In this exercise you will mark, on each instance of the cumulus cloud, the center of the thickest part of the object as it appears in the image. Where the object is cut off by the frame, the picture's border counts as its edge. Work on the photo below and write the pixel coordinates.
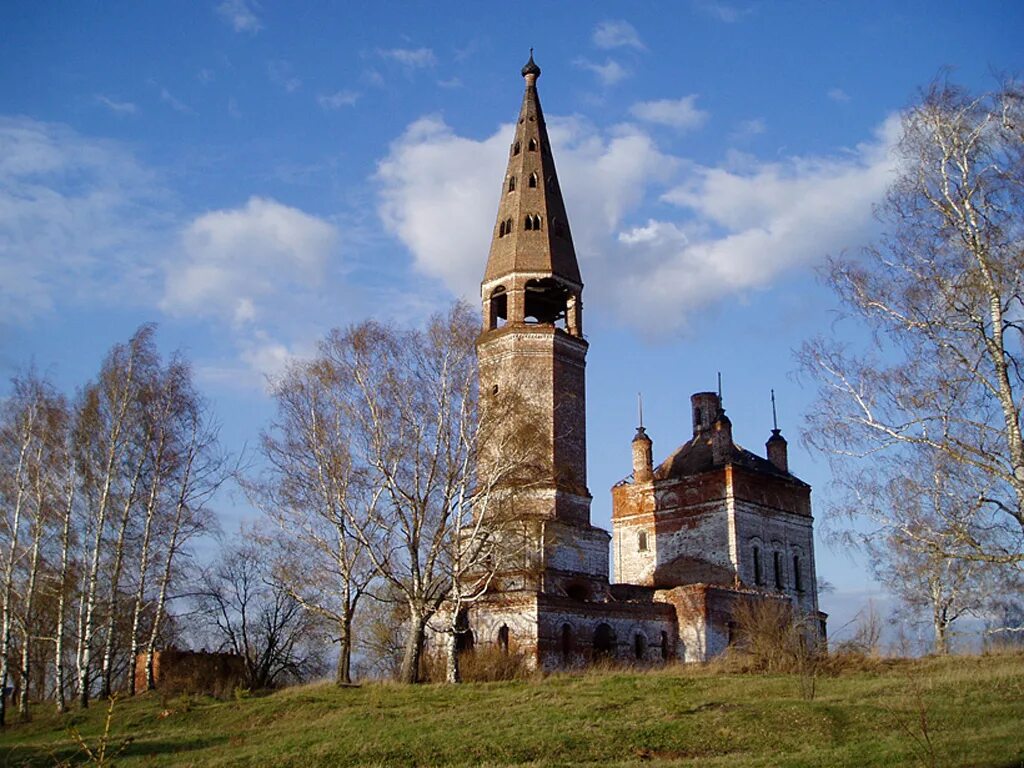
(80, 220)
(237, 259)
(412, 58)
(241, 15)
(727, 229)
(681, 114)
(609, 73)
(617, 34)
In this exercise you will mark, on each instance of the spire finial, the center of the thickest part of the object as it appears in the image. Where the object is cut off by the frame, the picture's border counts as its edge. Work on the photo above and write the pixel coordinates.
(531, 69)
(775, 418)
(719, 387)
(640, 408)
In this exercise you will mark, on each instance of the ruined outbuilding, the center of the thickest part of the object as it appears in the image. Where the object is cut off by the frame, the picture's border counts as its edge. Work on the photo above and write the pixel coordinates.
(711, 525)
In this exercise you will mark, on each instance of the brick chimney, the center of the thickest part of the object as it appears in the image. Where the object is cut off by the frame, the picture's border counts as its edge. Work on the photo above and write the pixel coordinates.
(643, 462)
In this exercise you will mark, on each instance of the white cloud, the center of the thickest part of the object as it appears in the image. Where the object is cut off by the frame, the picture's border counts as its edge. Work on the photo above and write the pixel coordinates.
(609, 73)
(413, 58)
(281, 75)
(337, 100)
(238, 261)
(838, 95)
(178, 106)
(682, 114)
(241, 15)
(617, 34)
(80, 221)
(747, 129)
(117, 107)
(725, 12)
(728, 229)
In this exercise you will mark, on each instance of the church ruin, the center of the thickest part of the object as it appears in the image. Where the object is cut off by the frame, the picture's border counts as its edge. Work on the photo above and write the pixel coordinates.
(711, 525)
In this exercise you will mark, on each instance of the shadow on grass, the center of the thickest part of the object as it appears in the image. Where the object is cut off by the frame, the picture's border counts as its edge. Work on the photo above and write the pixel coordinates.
(66, 753)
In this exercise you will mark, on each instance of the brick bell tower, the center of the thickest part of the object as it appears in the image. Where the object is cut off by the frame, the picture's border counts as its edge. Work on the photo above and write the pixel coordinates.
(532, 342)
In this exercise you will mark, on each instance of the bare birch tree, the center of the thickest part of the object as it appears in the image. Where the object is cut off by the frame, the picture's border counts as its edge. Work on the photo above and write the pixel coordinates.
(943, 293)
(412, 403)
(311, 490)
(104, 433)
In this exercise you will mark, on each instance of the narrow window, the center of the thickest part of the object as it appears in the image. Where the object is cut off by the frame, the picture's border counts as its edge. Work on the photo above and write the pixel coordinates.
(664, 645)
(501, 230)
(758, 575)
(528, 224)
(533, 180)
(641, 541)
(515, 148)
(566, 643)
(503, 638)
(778, 569)
(508, 226)
(536, 222)
(532, 146)
(798, 582)
(511, 183)
(639, 646)
(696, 417)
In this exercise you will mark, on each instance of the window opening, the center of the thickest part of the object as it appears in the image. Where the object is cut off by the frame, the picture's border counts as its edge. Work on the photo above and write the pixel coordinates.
(758, 575)
(798, 582)
(533, 180)
(503, 638)
(566, 643)
(731, 633)
(532, 146)
(639, 646)
(604, 640)
(463, 634)
(641, 541)
(778, 570)
(664, 645)
(528, 223)
(501, 229)
(497, 313)
(546, 302)
(511, 183)
(536, 222)
(515, 148)
(577, 591)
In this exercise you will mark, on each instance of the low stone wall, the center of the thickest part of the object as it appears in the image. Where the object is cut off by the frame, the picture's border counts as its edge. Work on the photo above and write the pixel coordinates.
(177, 671)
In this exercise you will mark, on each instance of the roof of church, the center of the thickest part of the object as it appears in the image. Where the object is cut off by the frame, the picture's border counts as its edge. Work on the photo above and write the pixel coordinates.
(695, 456)
(531, 232)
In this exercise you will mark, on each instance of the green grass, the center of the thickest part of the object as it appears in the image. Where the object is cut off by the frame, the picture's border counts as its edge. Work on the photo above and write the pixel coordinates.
(972, 708)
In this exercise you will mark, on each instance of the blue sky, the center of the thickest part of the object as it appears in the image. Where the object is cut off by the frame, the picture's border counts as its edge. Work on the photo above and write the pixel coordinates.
(249, 175)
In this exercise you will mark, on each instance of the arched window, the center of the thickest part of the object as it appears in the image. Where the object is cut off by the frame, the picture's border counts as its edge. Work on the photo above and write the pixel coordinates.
(497, 307)
(639, 646)
(503, 638)
(501, 229)
(566, 643)
(532, 146)
(536, 222)
(641, 541)
(515, 148)
(533, 180)
(779, 583)
(511, 183)
(528, 223)
(758, 573)
(604, 640)
(508, 226)
(798, 581)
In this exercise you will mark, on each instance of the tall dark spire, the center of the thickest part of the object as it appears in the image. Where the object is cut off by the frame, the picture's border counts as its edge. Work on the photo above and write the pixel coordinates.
(531, 233)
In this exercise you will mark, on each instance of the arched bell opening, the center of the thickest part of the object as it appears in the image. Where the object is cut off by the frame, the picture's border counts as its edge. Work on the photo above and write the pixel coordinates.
(547, 303)
(497, 308)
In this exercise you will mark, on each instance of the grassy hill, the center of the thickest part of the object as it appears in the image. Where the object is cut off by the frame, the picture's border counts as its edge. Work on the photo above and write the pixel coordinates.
(963, 711)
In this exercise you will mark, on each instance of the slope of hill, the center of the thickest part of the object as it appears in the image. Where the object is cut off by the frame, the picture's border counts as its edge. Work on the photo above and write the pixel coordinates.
(932, 712)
